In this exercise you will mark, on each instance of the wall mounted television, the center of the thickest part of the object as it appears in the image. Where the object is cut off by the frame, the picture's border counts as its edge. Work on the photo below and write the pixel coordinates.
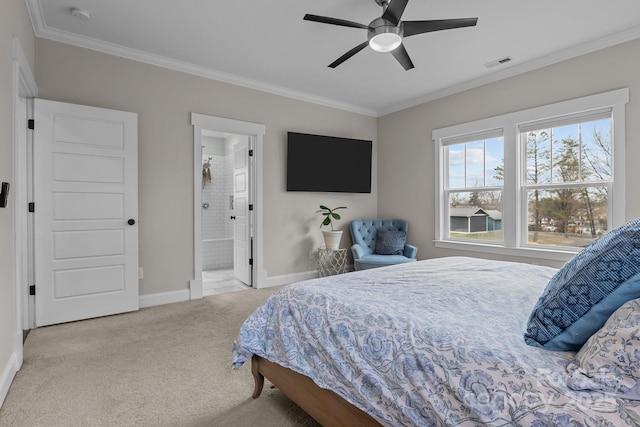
(328, 164)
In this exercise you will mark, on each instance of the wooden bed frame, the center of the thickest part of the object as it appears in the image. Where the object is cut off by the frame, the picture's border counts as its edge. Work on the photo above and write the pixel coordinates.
(323, 405)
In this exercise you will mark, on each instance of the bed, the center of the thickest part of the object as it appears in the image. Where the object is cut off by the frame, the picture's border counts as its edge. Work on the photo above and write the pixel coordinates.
(432, 343)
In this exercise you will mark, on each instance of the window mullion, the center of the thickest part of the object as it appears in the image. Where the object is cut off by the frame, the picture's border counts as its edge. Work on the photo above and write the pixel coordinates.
(563, 185)
(484, 163)
(551, 157)
(441, 193)
(580, 151)
(465, 165)
(512, 172)
(471, 189)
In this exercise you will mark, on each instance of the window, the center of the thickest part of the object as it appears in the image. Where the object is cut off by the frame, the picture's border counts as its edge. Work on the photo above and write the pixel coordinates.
(541, 183)
(569, 177)
(473, 186)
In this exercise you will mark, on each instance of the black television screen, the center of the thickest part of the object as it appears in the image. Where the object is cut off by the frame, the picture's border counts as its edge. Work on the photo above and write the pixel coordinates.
(328, 164)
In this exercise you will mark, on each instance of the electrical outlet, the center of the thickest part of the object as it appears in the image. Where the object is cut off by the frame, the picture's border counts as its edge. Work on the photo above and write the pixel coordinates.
(140, 273)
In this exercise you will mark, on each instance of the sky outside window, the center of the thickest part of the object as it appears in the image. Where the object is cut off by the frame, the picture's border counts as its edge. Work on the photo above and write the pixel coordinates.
(474, 163)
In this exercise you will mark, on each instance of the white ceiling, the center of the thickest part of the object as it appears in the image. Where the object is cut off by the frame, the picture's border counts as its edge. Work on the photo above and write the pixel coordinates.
(266, 44)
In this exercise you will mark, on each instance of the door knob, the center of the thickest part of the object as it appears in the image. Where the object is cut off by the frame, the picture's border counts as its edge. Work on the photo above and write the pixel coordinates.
(233, 217)
(131, 221)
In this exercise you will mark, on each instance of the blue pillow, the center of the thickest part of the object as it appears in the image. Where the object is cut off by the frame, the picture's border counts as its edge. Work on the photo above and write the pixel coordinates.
(390, 242)
(582, 295)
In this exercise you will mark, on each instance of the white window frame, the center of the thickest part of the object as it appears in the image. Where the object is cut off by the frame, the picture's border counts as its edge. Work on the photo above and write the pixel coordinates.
(513, 196)
(464, 139)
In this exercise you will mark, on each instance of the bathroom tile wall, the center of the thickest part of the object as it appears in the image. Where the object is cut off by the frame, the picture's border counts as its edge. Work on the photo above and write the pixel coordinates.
(217, 227)
(217, 255)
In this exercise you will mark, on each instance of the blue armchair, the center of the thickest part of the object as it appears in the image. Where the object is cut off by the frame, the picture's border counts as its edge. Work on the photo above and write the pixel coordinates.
(364, 233)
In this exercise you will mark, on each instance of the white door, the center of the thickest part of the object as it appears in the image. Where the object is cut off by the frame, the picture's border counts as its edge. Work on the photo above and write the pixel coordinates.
(242, 223)
(86, 207)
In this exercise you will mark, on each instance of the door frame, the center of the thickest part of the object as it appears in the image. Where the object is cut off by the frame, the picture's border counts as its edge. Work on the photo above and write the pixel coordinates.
(24, 90)
(255, 132)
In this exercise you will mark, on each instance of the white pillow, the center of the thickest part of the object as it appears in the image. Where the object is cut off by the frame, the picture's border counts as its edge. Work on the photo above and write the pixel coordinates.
(610, 359)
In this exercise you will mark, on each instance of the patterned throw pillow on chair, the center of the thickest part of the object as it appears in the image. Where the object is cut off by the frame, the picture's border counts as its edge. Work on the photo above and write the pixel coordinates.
(390, 242)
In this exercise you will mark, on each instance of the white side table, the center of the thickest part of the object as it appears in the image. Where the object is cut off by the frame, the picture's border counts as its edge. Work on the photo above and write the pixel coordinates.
(332, 261)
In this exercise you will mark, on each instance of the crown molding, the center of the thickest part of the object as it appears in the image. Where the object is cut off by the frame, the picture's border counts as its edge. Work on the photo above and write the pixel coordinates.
(42, 31)
(563, 55)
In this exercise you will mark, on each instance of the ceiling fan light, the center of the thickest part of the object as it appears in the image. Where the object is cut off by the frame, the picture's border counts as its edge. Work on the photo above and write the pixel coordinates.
(385, 42)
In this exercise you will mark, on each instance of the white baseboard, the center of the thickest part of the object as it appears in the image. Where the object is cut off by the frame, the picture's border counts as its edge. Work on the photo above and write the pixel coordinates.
(195, 289)
(161, 298)
(289, 278)
(151, 300)
(296, 277)
(18, 341)
(14, 363)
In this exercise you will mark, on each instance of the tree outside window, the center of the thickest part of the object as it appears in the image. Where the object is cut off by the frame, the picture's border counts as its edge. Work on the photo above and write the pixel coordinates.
(568, 169)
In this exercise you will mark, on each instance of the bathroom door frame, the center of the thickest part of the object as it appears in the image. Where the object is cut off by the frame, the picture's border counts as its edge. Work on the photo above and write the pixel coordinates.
(255, 132)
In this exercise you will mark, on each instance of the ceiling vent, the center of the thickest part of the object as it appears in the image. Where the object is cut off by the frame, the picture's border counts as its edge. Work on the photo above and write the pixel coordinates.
(498, 62)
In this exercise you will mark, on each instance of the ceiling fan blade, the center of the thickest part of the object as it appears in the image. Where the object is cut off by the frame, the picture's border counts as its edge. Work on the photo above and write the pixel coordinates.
(400, 53)
(334, 21)
(394, 11)
(411, 28)
(348, 55)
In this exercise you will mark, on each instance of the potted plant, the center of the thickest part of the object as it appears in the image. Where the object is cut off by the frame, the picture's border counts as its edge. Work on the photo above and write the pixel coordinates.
(331, 238)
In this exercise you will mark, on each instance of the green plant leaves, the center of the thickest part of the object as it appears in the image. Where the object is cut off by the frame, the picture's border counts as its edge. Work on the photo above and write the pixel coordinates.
(329, 215)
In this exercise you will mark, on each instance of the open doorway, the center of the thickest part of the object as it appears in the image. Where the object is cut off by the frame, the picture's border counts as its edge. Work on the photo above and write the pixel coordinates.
(219, 213)
(227, 205)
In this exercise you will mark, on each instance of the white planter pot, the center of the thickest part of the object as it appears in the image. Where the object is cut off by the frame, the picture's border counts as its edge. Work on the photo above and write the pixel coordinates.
(332, 239)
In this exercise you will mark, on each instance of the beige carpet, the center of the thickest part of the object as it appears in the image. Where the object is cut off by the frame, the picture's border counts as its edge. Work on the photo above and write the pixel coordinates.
(162, 366)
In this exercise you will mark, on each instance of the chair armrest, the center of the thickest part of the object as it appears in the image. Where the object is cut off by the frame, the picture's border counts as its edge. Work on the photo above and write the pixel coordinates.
(410, 251)
(357, 251)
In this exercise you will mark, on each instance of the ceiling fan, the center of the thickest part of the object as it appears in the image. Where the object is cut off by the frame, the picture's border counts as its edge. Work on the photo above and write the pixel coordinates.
(385, 34)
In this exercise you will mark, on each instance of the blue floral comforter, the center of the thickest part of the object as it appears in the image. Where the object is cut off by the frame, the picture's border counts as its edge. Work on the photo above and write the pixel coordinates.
(431, 343)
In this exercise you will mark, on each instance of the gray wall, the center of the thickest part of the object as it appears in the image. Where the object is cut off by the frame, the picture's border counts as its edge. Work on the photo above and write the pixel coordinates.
(164, 100)
(406, 151)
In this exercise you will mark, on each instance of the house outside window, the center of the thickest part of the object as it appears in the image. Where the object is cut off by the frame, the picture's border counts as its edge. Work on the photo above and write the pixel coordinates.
(539, 183)
(473, 186)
